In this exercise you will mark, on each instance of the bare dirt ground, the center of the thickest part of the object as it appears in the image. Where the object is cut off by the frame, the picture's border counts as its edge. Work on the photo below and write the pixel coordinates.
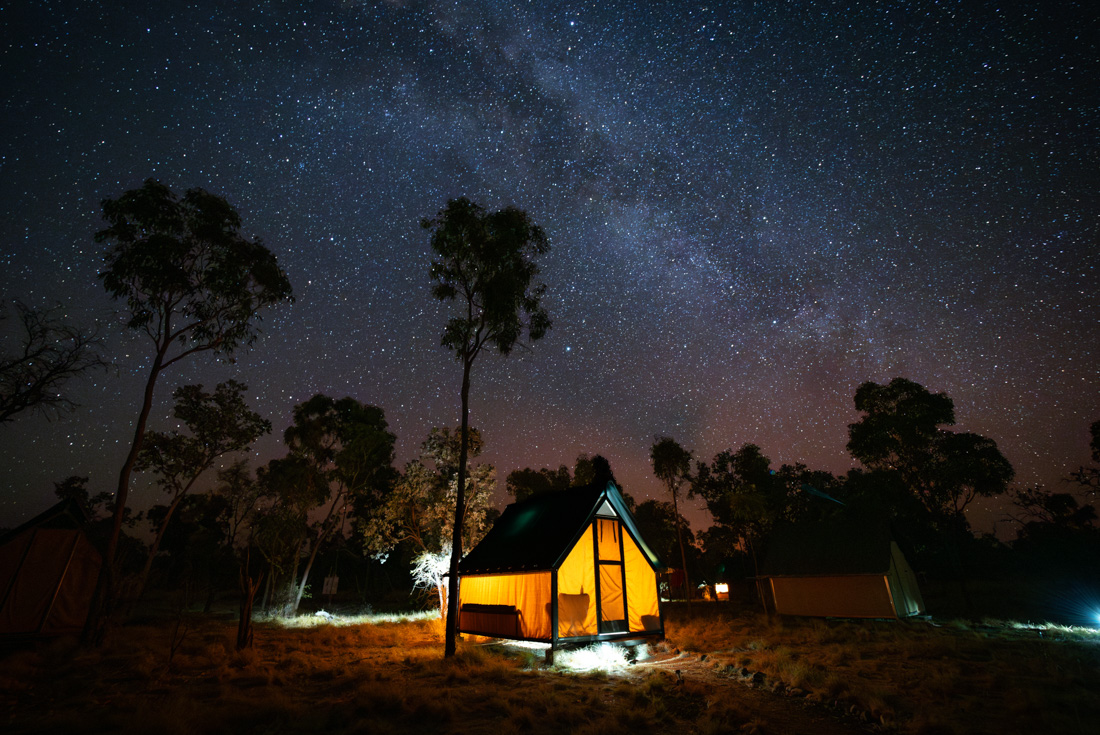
(777, 712)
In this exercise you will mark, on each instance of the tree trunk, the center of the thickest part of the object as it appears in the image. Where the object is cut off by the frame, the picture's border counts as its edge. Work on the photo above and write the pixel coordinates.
(683, 556)
(249, 586)
(156, 546)
(756, 579)
(451, 641)
(960, 569)
(268, 587)
(285, 596)
(325, 529)
(95, 626)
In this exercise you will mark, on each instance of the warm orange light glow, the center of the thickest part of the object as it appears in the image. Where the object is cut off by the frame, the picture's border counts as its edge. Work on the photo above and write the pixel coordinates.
(721, 588)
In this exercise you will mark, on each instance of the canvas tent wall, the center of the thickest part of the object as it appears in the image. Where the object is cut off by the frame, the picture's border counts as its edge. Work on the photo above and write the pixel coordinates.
(847, 569)
(48, 572)
(566, 566)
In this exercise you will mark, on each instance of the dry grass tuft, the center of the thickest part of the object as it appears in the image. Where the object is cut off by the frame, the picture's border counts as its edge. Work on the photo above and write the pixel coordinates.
(918, 677)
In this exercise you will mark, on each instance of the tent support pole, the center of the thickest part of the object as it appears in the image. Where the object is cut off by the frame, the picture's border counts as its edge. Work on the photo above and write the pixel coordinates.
(553, 617)
(60, 581)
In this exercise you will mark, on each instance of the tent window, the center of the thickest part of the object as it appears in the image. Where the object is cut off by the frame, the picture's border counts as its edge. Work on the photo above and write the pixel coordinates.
(608, 532)
(612, 605)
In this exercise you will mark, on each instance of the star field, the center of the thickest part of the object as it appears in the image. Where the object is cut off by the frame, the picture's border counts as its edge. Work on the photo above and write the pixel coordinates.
(752, 208)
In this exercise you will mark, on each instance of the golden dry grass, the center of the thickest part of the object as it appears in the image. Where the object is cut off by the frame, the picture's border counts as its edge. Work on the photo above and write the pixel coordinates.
(388, 675)
(915, 676)
(367, 677)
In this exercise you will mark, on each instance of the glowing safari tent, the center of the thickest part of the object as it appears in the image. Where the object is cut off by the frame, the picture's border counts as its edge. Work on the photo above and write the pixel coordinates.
(839, 570)
(563, 567)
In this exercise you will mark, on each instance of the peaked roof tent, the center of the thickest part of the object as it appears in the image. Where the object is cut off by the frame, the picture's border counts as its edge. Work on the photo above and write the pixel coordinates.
(845, 569)
(537, 533)
(65, 514)
(810, 549)
(562, 567)
(48, 572)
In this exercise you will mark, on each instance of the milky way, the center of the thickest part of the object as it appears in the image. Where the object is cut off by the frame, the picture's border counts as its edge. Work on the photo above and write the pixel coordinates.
(752, 208)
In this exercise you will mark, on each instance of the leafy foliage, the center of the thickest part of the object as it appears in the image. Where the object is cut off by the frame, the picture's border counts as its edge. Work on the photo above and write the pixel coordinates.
(485, 264)
(192, 283)
(672, 465)
(593, 470)
(901, 433)
(185, 271)
(341, 456)
(1090, 476)
(218, 423)
(741, 492)
(526, 483)
(657, 522)
(419, 510)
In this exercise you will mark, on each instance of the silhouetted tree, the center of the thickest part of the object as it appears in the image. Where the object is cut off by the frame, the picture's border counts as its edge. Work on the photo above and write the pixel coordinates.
(38, 361)
(192, 283)
(809, 494)
(525, 483)
(663, 528)
(742, 494)
(1090, 476)
(192, 548)
(1057, 532)
(485, 264)
(291, 487)
(672, 466)
(243, 498)
(1037, 507)
(350, 451)
(900, 432)
(100, 510)
(218, 423)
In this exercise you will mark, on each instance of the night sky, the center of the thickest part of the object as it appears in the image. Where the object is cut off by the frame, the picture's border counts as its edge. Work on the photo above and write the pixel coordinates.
(752, 208)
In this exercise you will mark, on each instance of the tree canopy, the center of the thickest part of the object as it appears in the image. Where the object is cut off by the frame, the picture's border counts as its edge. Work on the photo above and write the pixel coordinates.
(1090, 476)
(525, 483)
(672, 466)
(346, 453)
(483, 263)
(901, 432)
(741, 492)
(186, 273)
(218, 423)
(192, 283)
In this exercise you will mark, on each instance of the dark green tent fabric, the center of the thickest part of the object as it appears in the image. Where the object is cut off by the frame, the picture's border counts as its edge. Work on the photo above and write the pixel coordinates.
(537, 533)
(833, 547)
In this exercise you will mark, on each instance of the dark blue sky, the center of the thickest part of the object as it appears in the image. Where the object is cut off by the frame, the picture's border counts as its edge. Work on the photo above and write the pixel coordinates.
(753, 208)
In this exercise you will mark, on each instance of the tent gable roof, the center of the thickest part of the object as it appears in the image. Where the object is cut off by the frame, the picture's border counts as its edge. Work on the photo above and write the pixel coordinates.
(828, 548)
(536, 534)
(65, 514)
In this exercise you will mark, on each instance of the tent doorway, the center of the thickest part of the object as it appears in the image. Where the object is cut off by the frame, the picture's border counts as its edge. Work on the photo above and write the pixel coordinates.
(612, 577)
